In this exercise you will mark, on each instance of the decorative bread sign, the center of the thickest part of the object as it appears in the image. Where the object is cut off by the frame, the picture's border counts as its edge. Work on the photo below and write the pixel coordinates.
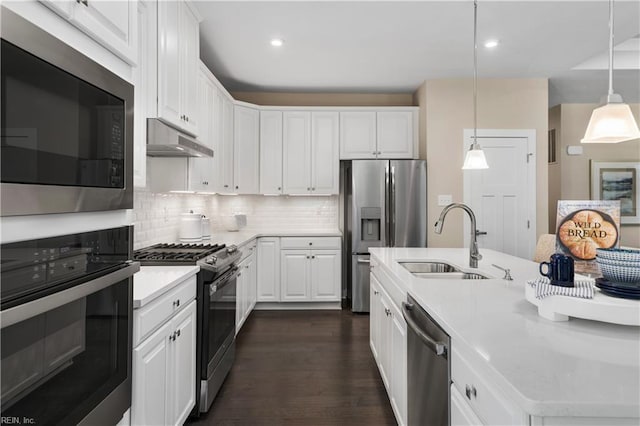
(584, 226)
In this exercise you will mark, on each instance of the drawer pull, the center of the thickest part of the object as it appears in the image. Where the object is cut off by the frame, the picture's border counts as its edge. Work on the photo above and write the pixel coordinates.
(470, 391)
(178, 333)
(176, 303)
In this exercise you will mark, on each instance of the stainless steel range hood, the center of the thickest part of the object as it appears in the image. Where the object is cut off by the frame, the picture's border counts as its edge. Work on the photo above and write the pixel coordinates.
(165, 141)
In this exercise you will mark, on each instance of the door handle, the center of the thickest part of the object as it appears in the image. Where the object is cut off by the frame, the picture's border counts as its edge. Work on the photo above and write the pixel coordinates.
(481, 232)
(363, 261)
(439, 348)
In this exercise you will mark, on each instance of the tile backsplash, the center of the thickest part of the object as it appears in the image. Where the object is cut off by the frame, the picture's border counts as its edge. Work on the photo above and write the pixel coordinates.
(157, 215)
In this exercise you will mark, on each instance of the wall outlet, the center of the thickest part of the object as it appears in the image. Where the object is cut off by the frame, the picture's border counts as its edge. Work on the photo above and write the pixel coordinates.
(445, 200)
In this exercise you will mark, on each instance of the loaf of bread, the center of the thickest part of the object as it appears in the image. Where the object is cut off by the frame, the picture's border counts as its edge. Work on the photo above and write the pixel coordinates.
(585, 232)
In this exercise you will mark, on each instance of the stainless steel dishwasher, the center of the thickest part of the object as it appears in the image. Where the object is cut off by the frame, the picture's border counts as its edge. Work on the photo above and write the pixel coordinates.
(428, 368)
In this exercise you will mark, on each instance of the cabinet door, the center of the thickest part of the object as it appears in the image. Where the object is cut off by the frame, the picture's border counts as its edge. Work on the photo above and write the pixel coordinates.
(268, 264)
(251, 284)
(384, 350)
(227, 145)
(183, 368)
(240, 295)
(169, 87)
(325, 158)
(325, 275)
(296, 146)
(398, 364)
(201, 169)
(374, 316)
(113, 23)
(395, 134)
(461, 412)
(151, 379)
(217, 139)
(189, 48)
(63, 8)
(246, 155)
(294, 267)
(357, 135)
(270, 152)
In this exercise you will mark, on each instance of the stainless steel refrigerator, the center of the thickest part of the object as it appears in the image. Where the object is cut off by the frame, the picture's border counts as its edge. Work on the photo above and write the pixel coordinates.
(385, 205)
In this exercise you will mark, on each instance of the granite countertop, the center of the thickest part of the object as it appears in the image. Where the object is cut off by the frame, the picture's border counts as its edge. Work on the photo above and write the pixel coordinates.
(573, 368)
(153, 281)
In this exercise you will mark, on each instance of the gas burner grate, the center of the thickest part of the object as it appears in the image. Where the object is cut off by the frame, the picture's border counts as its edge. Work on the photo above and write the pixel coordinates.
(176, 253)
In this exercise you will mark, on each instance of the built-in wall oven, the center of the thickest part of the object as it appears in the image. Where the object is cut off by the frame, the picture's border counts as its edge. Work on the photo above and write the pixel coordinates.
(66, 133)
(66, 328)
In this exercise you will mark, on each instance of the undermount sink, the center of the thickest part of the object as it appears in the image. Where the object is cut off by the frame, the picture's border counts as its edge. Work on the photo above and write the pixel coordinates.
(440, 270)
(429, 267)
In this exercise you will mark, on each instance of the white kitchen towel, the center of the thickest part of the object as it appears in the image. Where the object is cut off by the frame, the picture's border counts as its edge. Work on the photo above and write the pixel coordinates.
(582, 288)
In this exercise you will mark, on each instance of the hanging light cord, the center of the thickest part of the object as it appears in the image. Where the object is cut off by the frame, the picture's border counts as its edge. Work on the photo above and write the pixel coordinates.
(475, 74)
(611, 47)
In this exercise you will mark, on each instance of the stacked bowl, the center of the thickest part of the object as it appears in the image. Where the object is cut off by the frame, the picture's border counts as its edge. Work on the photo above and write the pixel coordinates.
(620, 270)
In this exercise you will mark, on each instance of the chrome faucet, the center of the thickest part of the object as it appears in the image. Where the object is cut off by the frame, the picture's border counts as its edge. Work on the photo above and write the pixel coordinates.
(474, 254)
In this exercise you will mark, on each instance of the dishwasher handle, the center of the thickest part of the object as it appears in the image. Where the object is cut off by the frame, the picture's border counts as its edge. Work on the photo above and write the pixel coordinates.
(439, 348)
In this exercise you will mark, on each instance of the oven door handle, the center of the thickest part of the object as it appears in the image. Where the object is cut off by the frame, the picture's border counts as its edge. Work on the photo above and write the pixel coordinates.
(28, 310)
(223, 281)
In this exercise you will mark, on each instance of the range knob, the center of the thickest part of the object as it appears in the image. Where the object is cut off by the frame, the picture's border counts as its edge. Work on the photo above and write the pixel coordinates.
(211, 260)
(231, 249)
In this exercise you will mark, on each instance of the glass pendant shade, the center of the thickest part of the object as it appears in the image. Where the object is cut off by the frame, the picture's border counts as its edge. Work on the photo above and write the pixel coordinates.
(475, 159)
(611, 123)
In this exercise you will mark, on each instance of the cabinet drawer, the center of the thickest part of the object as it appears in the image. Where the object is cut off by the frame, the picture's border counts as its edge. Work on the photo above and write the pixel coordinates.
(310, 243)
(487, 402)
(247, 249)
(152, 316)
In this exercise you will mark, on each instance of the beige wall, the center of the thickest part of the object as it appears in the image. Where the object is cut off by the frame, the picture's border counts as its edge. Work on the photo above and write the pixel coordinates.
(575, 169)
(420, 100)
(325, 99)
(502, 104)
(554, 169)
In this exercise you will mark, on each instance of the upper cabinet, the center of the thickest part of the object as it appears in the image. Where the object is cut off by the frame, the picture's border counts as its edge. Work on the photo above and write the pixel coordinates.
(310, 152)
(246, 150)
(271, 152)
(388, 133)
(114, 24)
(201, 170)
(178, 53)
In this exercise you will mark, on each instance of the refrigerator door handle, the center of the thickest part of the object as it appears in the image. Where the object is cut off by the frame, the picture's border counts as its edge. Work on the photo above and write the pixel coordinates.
(392, 207)
(387, 205)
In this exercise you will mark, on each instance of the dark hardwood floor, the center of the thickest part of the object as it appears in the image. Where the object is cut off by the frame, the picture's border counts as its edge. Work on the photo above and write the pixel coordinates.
(302, 368)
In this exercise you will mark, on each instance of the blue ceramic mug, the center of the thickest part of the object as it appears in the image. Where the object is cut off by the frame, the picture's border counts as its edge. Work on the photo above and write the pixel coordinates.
(560, 270)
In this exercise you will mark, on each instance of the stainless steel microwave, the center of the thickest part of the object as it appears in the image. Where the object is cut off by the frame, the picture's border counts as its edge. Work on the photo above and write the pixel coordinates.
(66, 133)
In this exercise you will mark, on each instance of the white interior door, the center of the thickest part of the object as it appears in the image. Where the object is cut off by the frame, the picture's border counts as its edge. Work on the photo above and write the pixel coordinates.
(503, 196)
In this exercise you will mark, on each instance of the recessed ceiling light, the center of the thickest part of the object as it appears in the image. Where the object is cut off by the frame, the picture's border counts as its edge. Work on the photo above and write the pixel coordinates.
(490, 44)
(277, 42)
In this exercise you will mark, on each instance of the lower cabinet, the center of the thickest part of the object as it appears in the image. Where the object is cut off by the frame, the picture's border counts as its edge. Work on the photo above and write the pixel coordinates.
(388, 341)
(461, 412)
(310, 275)
(268, 263)
(164, 372)
(246, 292)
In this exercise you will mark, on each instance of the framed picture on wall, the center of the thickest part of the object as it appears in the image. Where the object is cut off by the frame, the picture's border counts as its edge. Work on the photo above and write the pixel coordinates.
(618, 181)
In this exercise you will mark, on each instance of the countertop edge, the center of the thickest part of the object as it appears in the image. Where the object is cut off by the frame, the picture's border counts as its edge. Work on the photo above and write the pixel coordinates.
(178, 274)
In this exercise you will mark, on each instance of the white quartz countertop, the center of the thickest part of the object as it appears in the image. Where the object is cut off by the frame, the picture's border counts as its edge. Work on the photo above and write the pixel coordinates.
(242, 237)
(153, 281)
(574, 368)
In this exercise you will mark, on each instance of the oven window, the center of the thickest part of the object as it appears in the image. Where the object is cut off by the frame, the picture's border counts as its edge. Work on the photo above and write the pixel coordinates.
(57, 129)
(222, 317)
(58, 366)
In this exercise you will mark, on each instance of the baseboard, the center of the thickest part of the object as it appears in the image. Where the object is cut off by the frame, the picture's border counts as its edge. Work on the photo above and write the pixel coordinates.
(287, 306)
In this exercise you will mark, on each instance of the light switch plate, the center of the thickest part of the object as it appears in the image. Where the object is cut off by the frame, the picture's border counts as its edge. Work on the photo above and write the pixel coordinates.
(445, 200)
(574, 150)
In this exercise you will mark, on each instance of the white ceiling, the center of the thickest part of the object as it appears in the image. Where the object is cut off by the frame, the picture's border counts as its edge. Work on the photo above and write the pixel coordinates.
(393, 46)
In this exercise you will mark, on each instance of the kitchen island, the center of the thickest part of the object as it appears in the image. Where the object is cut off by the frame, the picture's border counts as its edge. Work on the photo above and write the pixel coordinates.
(574, 372)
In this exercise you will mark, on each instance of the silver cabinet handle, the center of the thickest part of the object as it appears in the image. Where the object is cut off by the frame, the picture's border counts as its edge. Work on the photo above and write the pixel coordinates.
(313, 189)
(279, 188)
(481, 232)
(376, 292)
(470, 391)
(374, 153)
(308, 189)
(178, 332)
(313, 257)
(310, 244)
(226, 186)
(439, 348)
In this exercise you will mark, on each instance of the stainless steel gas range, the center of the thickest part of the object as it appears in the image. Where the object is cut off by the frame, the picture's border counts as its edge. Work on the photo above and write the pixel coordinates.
(216, 308)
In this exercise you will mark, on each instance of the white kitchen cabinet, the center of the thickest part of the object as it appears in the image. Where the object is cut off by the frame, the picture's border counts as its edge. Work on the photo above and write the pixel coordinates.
(113, 24)
(201, 169)
(178, 52)
(246, 158)
(163, 389)
(246, 292)
(270, 152)
(461, 412)
(226, 147)
(381, 134)
(388, 341)
(268, 264)
(310, 269)
(325, 275)
(358, 135)
(395, 134)
(310, 152)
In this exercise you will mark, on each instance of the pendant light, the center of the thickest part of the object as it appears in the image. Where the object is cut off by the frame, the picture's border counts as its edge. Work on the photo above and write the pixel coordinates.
(612, 122)
(475, 158)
